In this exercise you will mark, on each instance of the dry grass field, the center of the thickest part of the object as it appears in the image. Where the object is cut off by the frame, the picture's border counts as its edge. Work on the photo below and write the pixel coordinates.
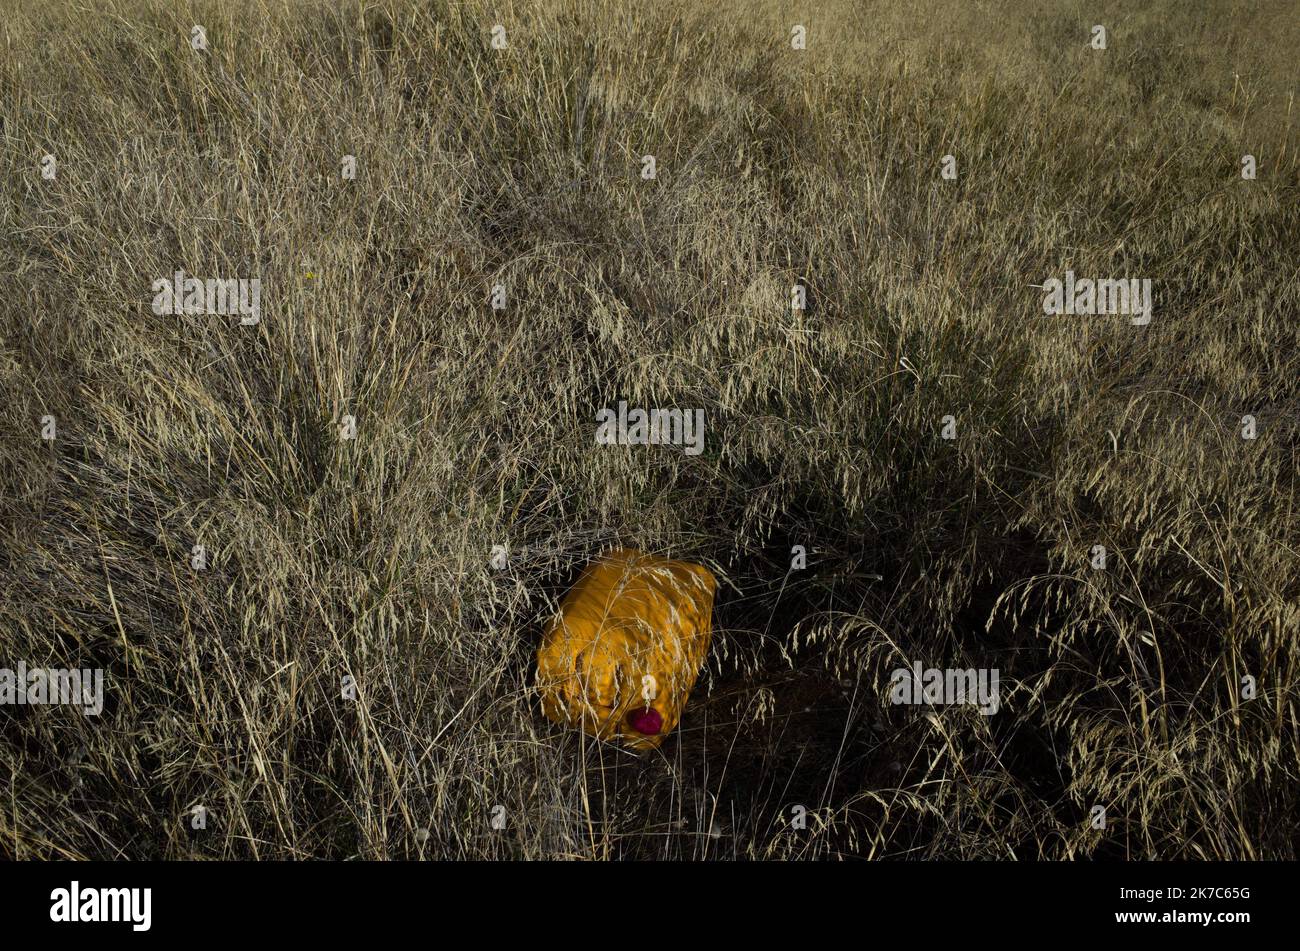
(337, 670)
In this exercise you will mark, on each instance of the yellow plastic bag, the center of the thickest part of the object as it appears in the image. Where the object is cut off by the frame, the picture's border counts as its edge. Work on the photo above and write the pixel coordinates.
(621, 656)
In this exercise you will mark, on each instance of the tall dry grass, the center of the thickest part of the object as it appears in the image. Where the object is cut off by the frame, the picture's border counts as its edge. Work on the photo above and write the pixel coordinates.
(369, 558)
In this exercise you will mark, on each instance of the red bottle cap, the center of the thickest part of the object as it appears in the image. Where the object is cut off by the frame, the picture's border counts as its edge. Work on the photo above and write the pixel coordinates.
(647, 721)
